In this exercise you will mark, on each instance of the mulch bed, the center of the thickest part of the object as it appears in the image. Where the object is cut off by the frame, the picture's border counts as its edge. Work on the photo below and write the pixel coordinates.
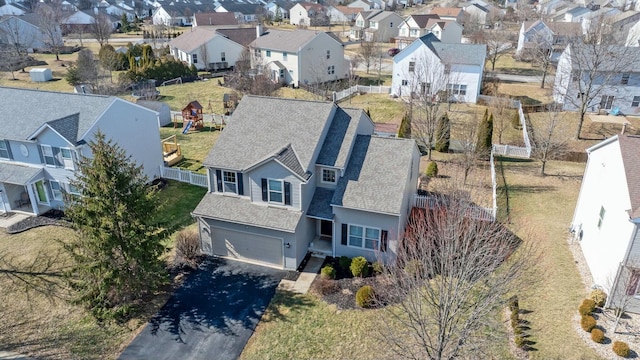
(345, 286)
(51, 217)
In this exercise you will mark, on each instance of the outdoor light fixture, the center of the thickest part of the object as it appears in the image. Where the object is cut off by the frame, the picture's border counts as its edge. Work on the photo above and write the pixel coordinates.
(287, 245)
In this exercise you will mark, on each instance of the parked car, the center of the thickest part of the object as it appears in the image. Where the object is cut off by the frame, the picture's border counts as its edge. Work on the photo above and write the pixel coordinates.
(393, 52)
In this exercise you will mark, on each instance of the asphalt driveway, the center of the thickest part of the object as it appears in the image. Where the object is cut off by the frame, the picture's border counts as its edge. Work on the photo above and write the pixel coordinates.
(211, 316)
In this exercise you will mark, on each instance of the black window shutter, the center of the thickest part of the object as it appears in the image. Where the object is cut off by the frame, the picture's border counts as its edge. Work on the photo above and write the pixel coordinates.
(240, 184)
(287, 193)
(344, 234)
(41, 154)
(8, 149)
(383, 240)
(219, 180)
(265, 193)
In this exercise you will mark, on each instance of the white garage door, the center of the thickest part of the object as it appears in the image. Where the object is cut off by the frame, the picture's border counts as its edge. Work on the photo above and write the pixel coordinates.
(247, 246)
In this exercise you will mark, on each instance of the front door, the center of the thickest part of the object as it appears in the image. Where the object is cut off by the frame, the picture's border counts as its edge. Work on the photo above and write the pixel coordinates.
(326, 228)
(41, 192)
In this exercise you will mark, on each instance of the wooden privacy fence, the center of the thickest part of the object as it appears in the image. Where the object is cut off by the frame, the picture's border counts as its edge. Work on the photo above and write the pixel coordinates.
(185, 176)
(472, 212)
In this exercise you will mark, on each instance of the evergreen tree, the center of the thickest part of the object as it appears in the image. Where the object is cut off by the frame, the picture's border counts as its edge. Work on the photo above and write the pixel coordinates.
(443, 133)
(405, 129)
(368, 113)
(116, 257)
(125, 26)
(485, 135)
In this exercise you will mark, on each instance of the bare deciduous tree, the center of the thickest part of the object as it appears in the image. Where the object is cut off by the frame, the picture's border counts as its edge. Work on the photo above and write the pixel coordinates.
(102, 28)
(498, 44)
(367, 53)
(50, 18)
(451, 275)
(549, 141)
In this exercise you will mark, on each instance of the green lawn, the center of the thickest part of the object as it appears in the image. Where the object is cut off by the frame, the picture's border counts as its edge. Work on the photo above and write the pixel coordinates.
(195, 145)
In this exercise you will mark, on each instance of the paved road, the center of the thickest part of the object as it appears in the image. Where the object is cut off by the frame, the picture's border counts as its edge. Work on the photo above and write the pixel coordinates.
(211, 316)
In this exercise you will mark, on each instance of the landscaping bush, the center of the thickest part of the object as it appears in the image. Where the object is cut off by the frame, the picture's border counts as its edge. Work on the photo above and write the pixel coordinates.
(515, 121)
(621, 348)
(514, 306)
(586, 307)
(364, 296)
(413, 268)
(359, 267)
(597, 335)
(587, 323)
(515, 320)
(519, 340)
(344, 262)
(599, 297)
(187, 249)
(328, 272)
(378, 267)
(326, 286)
(432, 169)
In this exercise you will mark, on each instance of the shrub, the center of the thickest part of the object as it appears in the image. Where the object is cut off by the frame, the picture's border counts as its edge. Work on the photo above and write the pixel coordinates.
(187, 249)
(514, 306)
(515, 121)
(364, 296)
(599, 297)
(519, 340)
(328, 272)
(413, 268)
(378, 267)
(326, 286)
(597, 335)
(621, 348)
(587, 323)
(344, 262)
(359, 267)
(515, 320)
(432, 169)
(586, 307)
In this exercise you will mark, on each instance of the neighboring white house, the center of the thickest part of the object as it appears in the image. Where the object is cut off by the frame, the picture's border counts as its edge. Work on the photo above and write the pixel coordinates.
(416, 26)
(616, 87)
(448, 13)
(607, 218)
(179, 13)
(38, 155)
(25, 30)
(214, 19)
(362, 4)
(339, 14)
(317, 181)
(383, 27)
(282, 8)
(245, 13)
(576, 14)
(211, 48)
(11, 9)
(299, 56)
(483, 15)
(430, 67)
(361, 23)
(553, 36)
(305, 13)
(597, 17)
(633, 39)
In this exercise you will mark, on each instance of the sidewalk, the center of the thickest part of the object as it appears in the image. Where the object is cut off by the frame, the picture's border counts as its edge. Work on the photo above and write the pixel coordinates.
(5, 222)
(302, 285)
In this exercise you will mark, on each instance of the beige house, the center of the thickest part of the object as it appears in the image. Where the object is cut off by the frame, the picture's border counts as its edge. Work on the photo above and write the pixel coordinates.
(416, 26)
(308, 14)
(448, 13)
(383, 27)
(299, 56)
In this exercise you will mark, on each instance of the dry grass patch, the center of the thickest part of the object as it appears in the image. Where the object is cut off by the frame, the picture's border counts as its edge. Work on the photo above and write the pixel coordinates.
(531, 91)
(542, 207)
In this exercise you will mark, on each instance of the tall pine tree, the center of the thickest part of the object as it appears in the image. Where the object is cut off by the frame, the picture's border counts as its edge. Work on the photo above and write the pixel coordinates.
(116, 256)
(443, 133)
(485, 135)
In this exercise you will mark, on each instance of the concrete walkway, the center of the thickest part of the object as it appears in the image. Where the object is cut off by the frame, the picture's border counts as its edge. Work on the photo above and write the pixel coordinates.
(7, 355)
(6, 222)
(305, 279)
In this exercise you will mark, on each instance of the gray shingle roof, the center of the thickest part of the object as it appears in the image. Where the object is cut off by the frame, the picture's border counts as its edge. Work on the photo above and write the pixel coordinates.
(337, 143)
(242, 36)
(192, 40)
(289, 159)
(282, 40)
(320, 206)
(67, 127)
(214, 18)
(21, 118)
(454, 53)
(242, 211)
(629, 149)
(261, 127)
(17, 174)
(246, 9)
(377, 175)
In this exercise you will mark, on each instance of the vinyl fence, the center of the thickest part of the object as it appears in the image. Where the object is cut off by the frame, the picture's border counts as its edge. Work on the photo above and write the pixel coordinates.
(185, 176)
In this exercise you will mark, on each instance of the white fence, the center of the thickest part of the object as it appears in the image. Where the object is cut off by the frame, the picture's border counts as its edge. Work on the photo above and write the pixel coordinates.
(356, 89)
(185, 176)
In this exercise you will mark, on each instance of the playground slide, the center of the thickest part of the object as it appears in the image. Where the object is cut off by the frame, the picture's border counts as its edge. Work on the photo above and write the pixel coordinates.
(187, 127)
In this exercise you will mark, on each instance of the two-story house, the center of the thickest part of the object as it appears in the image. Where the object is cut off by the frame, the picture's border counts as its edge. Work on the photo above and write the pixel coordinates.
(211, 48)
(449, 13)
(416, 26)
(383, 27)
(552, 36)
(25, 31)
(611, 73)
(306, 13)
(214, 19)
(40, 145)
(606, 219)
(244, 13)
(299, 56)
(361, 23)
(291, 176)
(340, 14)
(432, 68)
(178, 13)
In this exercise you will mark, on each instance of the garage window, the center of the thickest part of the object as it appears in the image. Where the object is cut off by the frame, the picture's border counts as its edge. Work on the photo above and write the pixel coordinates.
(276, 191)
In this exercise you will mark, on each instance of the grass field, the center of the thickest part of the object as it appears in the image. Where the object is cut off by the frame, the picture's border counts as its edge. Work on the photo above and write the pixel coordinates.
(42, 323)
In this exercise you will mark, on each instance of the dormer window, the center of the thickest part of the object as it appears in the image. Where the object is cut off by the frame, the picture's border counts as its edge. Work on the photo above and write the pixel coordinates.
(328, 176)
(229, 182)
(276, 191)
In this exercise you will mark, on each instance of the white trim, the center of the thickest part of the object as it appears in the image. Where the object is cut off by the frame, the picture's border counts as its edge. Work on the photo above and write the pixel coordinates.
(366, 210)
(335, 176)
(364, 236)
(44, 190)
(53, 191)
(235, 177)
(65, 159)
(41, 129)
(44, 156)
(282, 191)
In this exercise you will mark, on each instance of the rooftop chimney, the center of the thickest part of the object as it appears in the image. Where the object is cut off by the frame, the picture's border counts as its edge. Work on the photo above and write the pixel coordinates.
(259, 30)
